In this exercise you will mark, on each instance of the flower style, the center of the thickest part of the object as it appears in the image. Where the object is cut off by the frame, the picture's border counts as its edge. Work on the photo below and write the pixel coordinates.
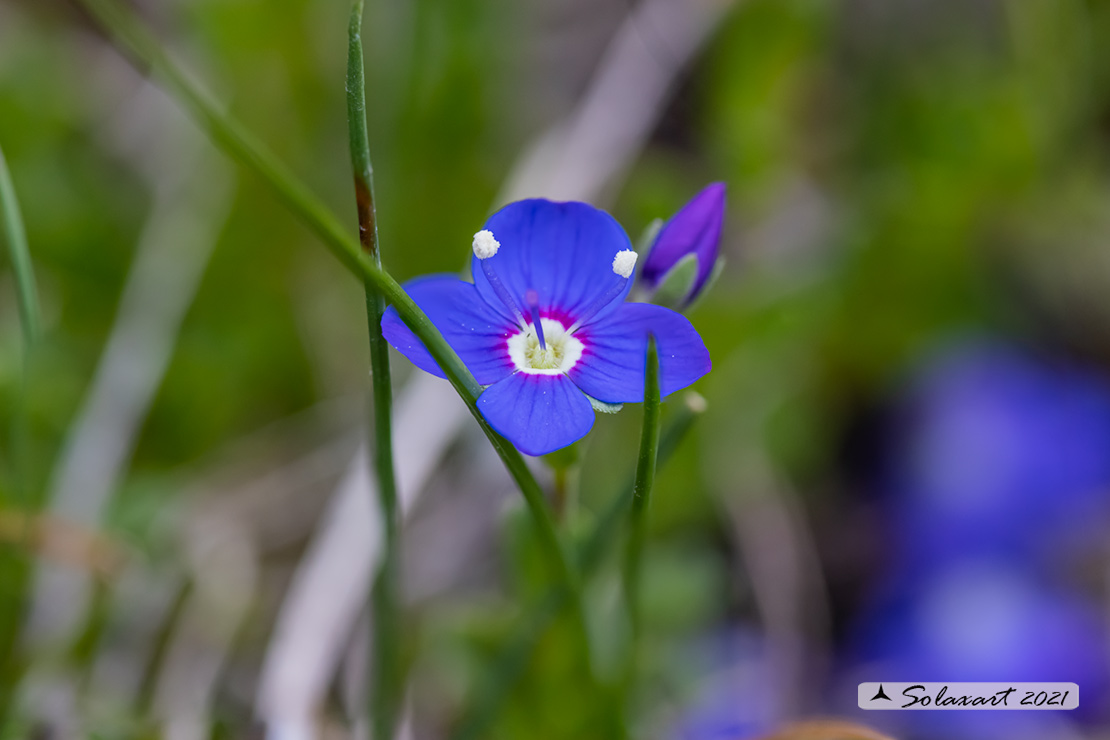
(544, 324)
(694, 232)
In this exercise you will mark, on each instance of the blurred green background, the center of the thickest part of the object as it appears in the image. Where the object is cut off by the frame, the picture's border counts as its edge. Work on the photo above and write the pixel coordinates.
(902, 174)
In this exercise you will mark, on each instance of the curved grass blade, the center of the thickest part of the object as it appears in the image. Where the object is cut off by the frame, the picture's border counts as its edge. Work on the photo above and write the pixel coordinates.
(225, 131)
(30, 315)
(141, 46)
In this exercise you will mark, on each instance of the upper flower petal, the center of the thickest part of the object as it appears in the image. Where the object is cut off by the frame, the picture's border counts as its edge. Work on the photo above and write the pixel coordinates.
(615, 357)
(695, 229)
(537, 413)
(473, 328)
(563, 251)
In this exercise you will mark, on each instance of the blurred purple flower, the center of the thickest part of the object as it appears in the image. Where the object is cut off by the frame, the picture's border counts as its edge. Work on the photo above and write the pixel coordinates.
(694, 230)
(545, 325)
(986, 621)
(1002, 453)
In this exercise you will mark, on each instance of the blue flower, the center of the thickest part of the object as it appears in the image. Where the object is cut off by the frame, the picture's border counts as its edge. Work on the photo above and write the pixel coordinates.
(545, 325)
(694, 231)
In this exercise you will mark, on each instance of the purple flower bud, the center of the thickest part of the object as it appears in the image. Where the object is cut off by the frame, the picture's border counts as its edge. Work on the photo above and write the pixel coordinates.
(696, 230)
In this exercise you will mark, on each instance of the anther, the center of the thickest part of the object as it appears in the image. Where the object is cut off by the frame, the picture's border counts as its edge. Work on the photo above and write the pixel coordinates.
(623, 263)
(485, 245)
(533, 300)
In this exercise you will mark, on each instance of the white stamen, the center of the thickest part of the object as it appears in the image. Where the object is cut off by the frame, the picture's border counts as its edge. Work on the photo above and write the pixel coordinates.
(485, 246)
(624, 263)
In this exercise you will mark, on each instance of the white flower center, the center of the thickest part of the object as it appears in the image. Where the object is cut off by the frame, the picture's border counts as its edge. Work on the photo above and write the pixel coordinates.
(561, 354)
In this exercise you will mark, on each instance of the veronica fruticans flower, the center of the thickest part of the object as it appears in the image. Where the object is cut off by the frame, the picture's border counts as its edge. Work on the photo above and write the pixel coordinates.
(544, 324)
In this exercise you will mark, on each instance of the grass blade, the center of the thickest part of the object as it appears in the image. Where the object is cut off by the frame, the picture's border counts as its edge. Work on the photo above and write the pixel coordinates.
(30, 315)
(387, 677)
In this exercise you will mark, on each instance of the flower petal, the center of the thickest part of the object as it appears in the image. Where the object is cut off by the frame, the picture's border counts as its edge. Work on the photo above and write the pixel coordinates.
(615, 356)
(563, 251)
(477, 332)
(537, 413)
(695, 229)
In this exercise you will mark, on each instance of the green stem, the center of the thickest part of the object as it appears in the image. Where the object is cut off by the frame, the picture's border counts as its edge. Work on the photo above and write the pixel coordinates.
(137, 42)
(511, 660)
(641, 502)
(143, 47)
(387, 679)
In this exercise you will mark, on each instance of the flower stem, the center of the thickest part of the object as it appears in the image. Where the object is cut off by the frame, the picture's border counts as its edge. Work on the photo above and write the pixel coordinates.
(137, 41)
(386, 680)
(641, 502)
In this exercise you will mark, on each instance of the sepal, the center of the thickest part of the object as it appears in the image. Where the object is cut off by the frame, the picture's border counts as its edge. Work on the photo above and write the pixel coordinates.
(604, 408)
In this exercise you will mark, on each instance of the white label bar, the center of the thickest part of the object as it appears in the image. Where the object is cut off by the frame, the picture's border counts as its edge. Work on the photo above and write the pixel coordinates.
(902, 695)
